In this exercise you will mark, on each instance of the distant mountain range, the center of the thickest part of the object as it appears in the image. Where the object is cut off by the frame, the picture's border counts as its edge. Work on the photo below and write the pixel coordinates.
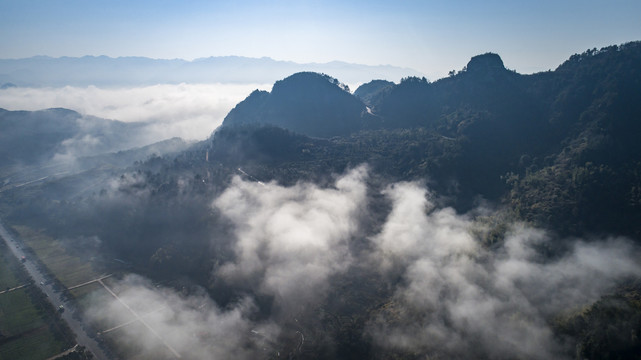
(558, 150)
(135, 71)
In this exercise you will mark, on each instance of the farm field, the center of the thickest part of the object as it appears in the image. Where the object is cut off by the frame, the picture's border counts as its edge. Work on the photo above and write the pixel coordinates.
(76, 270)
(70, 270)
(29, 328)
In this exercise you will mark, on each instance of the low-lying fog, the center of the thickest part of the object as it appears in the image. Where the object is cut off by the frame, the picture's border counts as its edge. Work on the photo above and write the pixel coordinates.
(451, 295)
(189, 111)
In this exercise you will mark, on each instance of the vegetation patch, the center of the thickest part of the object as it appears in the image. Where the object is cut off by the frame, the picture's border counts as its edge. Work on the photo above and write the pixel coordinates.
(69, 270)
(29, 328)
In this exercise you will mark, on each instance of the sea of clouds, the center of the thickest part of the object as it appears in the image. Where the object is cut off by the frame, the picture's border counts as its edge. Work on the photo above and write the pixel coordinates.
(189, 111)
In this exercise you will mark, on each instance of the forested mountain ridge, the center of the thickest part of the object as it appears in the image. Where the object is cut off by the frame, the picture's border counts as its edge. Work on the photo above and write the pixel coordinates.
(309, 103)
(575, 127)
(558, 148)
(479, 156)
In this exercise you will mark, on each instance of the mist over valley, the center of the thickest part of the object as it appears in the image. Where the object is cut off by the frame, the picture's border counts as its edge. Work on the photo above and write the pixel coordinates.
(487, 214)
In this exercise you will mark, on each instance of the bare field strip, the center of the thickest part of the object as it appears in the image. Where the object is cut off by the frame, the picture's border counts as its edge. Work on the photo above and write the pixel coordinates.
(68, 269)
(84, 295)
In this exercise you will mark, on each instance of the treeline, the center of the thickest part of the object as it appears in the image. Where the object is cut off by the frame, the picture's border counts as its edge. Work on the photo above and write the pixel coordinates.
(557, 149)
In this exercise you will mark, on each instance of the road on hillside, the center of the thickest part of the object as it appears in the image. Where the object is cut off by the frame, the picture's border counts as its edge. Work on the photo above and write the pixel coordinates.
(56, 298)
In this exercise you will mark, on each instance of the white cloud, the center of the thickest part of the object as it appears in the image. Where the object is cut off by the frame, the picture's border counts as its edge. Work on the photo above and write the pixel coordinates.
(290, 241)
(190, 111)
(192, 326)
(452, 297)
(458, 298)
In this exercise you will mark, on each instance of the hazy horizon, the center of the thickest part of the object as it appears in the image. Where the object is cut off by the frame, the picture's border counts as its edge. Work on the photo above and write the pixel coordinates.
(188, 111)
(432, 38)
(489, 215)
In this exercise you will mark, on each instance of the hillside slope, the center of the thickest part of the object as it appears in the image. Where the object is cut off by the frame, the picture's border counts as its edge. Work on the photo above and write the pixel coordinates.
(308, 103)
(486, 215)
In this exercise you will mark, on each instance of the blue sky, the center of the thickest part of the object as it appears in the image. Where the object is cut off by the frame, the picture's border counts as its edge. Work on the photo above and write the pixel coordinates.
(429, 36)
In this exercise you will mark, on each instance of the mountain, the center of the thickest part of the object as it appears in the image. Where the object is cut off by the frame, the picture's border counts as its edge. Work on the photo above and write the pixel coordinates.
(367, 92)
(308, 103)
(457, 239)
(47, 143)
(558, 146)
(29, 137)
(136, 71)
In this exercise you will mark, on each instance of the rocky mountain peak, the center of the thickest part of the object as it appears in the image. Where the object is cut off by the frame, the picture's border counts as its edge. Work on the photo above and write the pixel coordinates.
(488, 62)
